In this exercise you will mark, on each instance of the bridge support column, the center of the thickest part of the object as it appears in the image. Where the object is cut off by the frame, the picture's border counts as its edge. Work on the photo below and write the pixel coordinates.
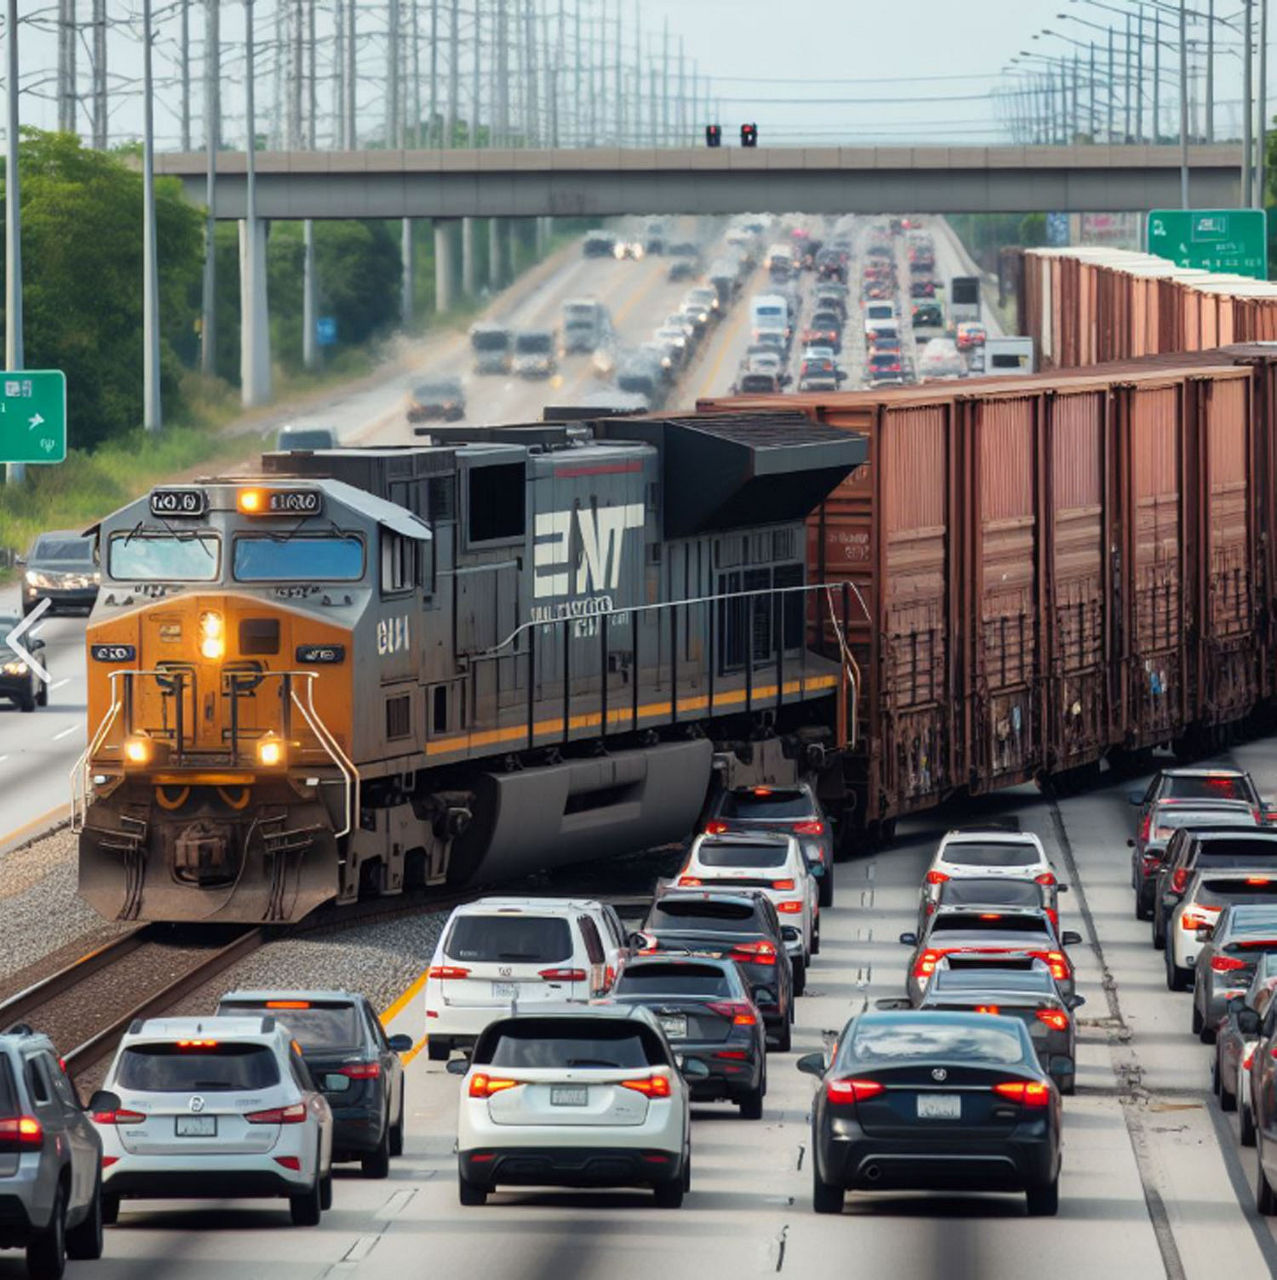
(310, 351)
(469, 282)
(444, 282)
(496, 274)
(512, 247)
(254, 336)
(540, 236)
(407, 284)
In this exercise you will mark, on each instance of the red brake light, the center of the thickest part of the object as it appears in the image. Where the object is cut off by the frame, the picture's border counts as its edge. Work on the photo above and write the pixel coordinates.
(715, 828)
(689, 882)
(936, 877)
(809, 829)
(1258, 880)
(762, 791)
(294, 1114)
(1179, 879)
(197, 1044)
(1047, 877)
(1202, 918)
(1145, 827)
(990, 915)
(649, 1086)
(782, 885)
(1247, 1060)
(562, 975)
(1054, 1019)
(754, 953)
(22, 1131)
(741, 1014)
(483, 1085)
(1226, 964)
(114, 1117)
(361, 1070)
(289, 1162)
(441, 972)
(844, 1091)
(1058, 962)
(1054, 917)
(288, 1004)
(1030, 1093)
(986, 1008)
(789, 908)
(925, 965)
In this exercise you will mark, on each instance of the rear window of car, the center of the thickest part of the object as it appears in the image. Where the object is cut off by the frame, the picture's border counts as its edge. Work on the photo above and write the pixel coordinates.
(1220, 892)
(546, 1042)
(1207, 788)
(673, 979)
(969, 853)
(903, 1039)
(988, 977)
(767, 804)
(743, 855)
(319, 1026)
(509, 938)
(1170, 815)
(988, 922)
(1234, 852)
(705, 917)
(219, 1068)
(971, 890)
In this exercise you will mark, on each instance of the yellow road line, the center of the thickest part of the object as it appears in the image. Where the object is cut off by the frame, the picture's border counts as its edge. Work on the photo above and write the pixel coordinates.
(403, 1001)
(740, 313)
(52, 818)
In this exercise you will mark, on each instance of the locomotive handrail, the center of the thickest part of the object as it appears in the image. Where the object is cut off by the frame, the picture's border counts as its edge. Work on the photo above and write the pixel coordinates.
(80, 770)
(330, 744)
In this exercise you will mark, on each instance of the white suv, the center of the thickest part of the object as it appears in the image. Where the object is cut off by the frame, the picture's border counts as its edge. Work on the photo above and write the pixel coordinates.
(499, 955)
(578, 1095)
(774, 863)
(991, 854)
(218, 1107)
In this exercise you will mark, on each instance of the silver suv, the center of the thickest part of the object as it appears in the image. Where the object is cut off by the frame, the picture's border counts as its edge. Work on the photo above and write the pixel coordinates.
(50, 1159)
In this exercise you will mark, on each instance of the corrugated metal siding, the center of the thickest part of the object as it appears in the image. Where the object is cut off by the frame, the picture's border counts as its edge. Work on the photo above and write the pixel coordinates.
(914, 460)
(1229, 586)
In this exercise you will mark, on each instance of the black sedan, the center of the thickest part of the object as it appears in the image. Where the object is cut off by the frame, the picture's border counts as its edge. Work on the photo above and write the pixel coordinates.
(706, 1012)
(935, 1102)
(352, 1062)
(18, 681)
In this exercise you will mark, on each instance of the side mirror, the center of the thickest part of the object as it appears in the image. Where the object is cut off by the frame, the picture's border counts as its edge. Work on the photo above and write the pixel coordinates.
(1248, 1022)
(457, 1066)
(909, 939)
(1061, 888)
(639, 941)
(1070, 938)
(1075, 1001)
(1130, 842)
(811, 1064)
(763, 995)
(693, 1069)
(400, 1044)
(104, 1100)
(1205, 934)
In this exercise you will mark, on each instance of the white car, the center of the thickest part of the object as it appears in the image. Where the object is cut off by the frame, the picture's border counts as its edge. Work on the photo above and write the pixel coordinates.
(991, 854)
(578, 1095)
(774, 863)
(214, 1108)
(1209, 891)
(498, 955)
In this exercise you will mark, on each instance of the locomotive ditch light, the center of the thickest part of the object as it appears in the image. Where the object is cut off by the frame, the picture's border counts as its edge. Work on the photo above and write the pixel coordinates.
(212, 636)
(138, 749)
(271, 752)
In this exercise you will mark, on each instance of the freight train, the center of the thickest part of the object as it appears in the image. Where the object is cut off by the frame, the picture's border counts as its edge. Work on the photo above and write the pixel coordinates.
(488, 654)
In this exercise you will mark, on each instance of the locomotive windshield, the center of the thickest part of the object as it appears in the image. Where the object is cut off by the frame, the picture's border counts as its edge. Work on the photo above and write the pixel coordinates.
(164, 557)
(263, 558)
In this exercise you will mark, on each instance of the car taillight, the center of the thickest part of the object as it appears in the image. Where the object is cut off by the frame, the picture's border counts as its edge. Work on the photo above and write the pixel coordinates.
(1151, 862)
(1145, 827)
(1054, 917)
(360, 1070)
(1054, 1019)
(289, 1162)
(442, 972)
(733, 1055)
(1200, 918)
(925, 965)
(1057, 961)
(789, 908)
(562, 975)
(1258, 880)
(689, 882)
(1047, 877)
(936, 877)
(483, 1085)
(782, 885)
(119, 1116)
(294, 1114)
(844, 1091)
(986, 1008)
(741, 1014)
(22, 1132)
(1179, 879)
(1029, 1093)
(753, 953)
(649, 1086)
(809, 829)
(1247, 1060)
(1226, 964)
(715, 828)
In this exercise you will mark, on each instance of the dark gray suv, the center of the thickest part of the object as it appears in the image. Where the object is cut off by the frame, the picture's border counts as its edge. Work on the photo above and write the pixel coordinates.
(50, 1159)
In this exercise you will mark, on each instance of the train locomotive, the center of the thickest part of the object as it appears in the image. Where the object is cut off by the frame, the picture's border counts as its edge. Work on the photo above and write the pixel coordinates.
(493, 652)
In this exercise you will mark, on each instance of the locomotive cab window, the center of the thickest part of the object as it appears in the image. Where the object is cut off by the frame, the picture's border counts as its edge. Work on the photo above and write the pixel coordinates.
(279, 558)
(164, 557)
(400, 563)
(495, 503)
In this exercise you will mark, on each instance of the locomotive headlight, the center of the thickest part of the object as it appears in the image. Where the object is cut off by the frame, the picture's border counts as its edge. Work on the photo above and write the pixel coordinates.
(251, 502)
(212, 637)
(270, 751)
(137, 749)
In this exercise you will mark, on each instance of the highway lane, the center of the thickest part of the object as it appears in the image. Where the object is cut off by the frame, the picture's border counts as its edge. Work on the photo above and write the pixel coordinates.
(1147, 1187)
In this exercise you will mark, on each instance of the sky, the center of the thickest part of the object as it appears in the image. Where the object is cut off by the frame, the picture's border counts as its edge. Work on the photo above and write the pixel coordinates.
(854, 72)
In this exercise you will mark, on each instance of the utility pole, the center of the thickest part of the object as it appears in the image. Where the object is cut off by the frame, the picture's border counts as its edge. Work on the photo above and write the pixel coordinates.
(351, 76)
(15, 472)
(1210, 70)
(339, 72)
(521, 74)
(310, 352)
(682, 97)
(68, 34)
(1126, 80)
(312, 121)
(1248, 106)
(620, 81)
(454, 74)
(576, 81)
(638, 75)
(151, 410)
(212, 132)
(1139, 78)
(1157, 76)
(254, 317)
(435, 139)
(293, 56)
(393, 113)
(1108, 132)
(1261, 167)
(503, 73)
(1183, 103)
(99, 75)
(665, 88)
(530, 34)
(184, 60)
(416, 68)
(476, 96)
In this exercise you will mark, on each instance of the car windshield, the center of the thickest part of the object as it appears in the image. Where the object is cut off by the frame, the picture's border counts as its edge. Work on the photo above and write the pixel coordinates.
(534, 344)
(164, 557)
(701, 916)
(712, 854)
(602, 1043)
(215, 1068)
(1207, 787)
(314, 1025)
(902, 1039)
(448, 389)
(673, 980)
(263, 558)
(514, 938)
(62, 551)
(765, 804)
(988, 922)
(969, 853)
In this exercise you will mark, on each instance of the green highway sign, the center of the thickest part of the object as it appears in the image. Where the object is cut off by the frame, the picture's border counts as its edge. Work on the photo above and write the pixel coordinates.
(33, 416)
(1232, 241)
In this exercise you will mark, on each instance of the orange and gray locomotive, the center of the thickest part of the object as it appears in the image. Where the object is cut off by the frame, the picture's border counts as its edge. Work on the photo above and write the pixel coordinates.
(493, 652)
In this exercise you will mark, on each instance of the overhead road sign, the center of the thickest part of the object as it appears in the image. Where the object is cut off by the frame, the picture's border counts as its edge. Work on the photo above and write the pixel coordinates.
(1231, 241)
(33, 416)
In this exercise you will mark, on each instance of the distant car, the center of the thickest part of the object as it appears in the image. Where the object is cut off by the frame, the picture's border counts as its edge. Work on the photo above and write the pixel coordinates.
(352, 1061)
(940, 358)
(1236, 1036)
(51, 1157)
(60, 567)
(820, 375)
(438, 398)
(299, 437)
(757, 384)
(18, 681)
(992, 854)
(928, 315)
(589, 1096)
(1210, 892)
(599, 244)
(885, 367)
(934, 1101)
(989, 892)
(706, 1012)
(969, 336)
(1242, 935)
(632, 249)
(654, 235)
(213, 1108)
(922, 288)
(1196, 784)
(534, 353)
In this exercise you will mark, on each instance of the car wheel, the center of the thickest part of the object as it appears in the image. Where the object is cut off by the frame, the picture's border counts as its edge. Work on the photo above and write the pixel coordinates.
(669, 1195)
(326, 1191)
(827, 889)
(751, 1105)
(396, 1129)
(1176, 978)
(307, 1207)
(815, 940)
(1247, 1126)
(84, 1240)
(825, 1196)
(800, 977)
(1044, 1201)
(1227, 1098)
(1197, 1023)
(438, 1050)
(785, 1041)
(470, 1193)
(1159, 938)
(26, 702)
(47, 1250)
(110, 1210)
(376, 1164)
(42, 696)
(1265, 1200)
(1216, 1078)
(1068, 1085)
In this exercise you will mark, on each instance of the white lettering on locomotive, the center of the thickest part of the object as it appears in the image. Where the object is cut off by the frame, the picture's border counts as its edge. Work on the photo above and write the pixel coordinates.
(392, 634)
(602, 533)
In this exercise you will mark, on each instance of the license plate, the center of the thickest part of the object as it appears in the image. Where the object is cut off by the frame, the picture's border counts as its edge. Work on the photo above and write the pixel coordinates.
(505, 990)
(561, 1096)
(196, 1126)
(939, 1106)
(675, 1028)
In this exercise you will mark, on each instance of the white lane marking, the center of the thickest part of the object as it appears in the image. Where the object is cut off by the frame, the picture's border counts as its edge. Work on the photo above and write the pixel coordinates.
(57, 684)
(62, 733)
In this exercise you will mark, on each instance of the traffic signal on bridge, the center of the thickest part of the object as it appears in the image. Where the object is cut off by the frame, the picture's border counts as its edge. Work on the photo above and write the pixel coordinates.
(749, 135)
(713, 135)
